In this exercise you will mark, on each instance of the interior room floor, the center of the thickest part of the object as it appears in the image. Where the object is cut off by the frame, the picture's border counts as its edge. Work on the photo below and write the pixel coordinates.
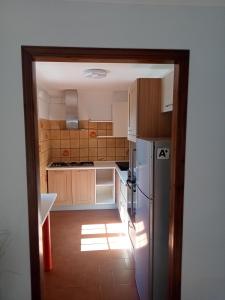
(91, 259)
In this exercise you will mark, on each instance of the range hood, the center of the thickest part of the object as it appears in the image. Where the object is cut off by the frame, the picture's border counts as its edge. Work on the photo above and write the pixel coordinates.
(71, 102)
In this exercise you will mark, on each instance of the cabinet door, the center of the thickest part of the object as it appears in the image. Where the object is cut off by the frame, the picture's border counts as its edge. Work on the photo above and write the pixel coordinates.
(59, 182)
(83, 186)
(132, 111)
(119, 118)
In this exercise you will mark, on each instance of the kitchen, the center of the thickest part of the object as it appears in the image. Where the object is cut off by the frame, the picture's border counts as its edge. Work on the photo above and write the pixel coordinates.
(91, 165)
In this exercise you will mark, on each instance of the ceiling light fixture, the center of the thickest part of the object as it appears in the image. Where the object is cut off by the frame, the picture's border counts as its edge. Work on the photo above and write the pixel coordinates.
(95, 73)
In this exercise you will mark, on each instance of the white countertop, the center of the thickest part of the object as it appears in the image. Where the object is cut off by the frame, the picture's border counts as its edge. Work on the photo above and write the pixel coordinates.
(47, 200)
(97, 165)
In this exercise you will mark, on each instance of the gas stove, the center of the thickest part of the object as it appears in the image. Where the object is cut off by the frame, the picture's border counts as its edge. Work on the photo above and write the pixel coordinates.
(64, 164)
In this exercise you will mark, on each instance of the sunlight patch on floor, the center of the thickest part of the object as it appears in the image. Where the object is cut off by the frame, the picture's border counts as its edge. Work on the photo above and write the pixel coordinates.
(114, 237)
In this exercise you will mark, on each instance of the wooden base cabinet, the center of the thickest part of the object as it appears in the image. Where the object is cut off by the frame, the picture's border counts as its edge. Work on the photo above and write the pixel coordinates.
(83, 186)
(72, 186)
(60, 182)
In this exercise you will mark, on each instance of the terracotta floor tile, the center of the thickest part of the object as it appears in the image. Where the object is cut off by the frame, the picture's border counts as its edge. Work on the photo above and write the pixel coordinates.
(83, 275)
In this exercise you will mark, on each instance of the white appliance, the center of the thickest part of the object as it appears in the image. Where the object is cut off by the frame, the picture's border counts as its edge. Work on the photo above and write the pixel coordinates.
(152, 218)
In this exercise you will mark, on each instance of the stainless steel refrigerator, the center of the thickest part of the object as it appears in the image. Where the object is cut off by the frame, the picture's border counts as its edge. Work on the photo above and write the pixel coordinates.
(152, 218)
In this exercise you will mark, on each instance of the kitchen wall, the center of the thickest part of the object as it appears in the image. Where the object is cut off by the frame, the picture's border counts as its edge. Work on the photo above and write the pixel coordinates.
(92, 104)
(43, 100)
(65, 23)
(44, 151)
(93, 141)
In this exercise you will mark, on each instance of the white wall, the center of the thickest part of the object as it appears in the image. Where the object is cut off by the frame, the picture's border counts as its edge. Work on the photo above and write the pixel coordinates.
(68, 24)
(92, 104)
(43, 103)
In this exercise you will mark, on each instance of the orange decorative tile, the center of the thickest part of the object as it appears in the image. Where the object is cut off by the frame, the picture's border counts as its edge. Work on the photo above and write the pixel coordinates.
(109, 132)
(65, 152)
(126, 151)
(83, 143)
(126, 143)
(92, 133)
(101, 142)
(65, 144)
(75, 143)
(62, 124)
(83, 134)
(102, 125)
(111, 142)
(101, 151)
(84, 152)
(111, 158)
(92, 125)
(120, 142)
(120, 158)
(74, 158)
(93, 152)
(109, 126)
(120, 152)
(93, 142)
(75, 152)
(83, 124)
(111, 151)
(92, 158)
(101, 132)
(55, 143)
(64, 134)
(102, 158)
(54, 124)
(74, 134)
(55, 152)
(54, 134)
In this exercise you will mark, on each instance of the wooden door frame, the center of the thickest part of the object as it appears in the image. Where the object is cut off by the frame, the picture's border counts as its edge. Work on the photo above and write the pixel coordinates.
(31, 54)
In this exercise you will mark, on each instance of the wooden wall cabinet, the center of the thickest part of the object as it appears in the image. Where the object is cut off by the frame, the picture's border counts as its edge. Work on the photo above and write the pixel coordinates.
(60, 182)
(145, 119)
(83, 186)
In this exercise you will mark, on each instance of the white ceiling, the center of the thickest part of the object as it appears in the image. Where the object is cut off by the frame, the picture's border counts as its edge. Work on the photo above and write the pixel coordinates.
(159, 2)
(57, 76)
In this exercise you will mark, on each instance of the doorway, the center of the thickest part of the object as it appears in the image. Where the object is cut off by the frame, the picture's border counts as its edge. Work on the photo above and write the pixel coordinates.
(180, 58)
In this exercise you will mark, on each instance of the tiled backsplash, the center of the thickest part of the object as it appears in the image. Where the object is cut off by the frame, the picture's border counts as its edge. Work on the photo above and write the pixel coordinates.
(44, 151)
(93, 141)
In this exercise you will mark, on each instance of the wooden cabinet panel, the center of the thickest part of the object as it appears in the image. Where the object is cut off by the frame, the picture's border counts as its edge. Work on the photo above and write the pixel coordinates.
(83, 186)
(145, 117)
(60, 182)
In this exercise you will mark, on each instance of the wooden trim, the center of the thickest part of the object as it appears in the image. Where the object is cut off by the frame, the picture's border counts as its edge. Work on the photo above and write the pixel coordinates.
(70, 54)
(32, 164)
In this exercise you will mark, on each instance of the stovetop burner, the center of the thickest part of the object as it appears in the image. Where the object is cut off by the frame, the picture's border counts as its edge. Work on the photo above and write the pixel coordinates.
(71, 164)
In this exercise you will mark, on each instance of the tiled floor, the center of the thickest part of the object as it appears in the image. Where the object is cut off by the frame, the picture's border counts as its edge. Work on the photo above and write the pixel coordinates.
(90, 259)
